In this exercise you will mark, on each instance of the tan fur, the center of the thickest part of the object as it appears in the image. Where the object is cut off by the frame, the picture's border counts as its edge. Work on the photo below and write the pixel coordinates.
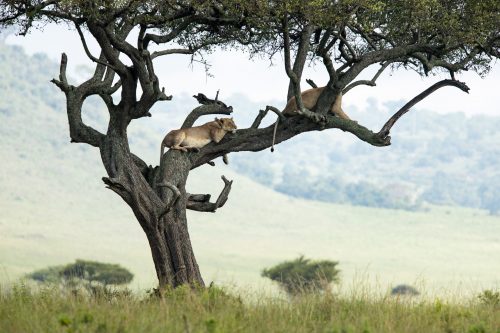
(309, 99)
(198, 136)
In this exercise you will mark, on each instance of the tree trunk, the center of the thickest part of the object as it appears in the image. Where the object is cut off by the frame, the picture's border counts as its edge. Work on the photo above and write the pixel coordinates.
(159, 211)
(172, 252)
(173, 228)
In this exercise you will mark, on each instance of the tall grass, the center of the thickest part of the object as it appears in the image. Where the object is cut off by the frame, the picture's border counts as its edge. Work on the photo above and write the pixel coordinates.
(22, 309)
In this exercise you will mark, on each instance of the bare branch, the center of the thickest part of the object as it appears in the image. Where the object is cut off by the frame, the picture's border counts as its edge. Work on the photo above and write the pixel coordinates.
(209, 106)
(203, 205)
(171, 51)
(368, 82)
(62, 83)
(312, 83)
(384, 132)
(199, 197)
(263, 113)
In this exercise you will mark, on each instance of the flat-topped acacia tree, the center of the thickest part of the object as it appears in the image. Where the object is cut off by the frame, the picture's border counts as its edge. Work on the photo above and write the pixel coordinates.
(346, 36)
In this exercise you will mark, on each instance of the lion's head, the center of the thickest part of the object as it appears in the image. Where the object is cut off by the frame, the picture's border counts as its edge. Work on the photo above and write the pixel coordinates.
(227, 124)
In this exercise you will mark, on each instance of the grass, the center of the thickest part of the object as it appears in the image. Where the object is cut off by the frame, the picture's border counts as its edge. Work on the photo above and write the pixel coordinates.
(213, 310)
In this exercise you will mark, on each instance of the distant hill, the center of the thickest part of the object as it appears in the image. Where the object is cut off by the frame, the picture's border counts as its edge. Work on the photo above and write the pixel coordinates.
(448, 159)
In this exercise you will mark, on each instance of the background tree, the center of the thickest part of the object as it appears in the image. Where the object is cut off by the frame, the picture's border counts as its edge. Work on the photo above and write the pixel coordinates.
(346, 36)
(303, 274)
(84, 271)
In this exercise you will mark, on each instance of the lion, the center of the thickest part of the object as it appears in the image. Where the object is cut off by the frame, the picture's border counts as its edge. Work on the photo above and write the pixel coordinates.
(194, 138)
(309, 99)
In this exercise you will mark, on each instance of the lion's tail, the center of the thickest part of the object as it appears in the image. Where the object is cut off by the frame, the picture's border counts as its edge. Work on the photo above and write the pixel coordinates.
(274, 133)
(162, 151)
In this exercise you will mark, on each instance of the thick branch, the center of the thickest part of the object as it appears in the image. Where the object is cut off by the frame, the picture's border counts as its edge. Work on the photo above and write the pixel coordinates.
(162, 39)
(391, 55)
(384, 132)
(200, 203)
(300, 57)
(294, 78)
(79, 132)
(253, 139)
(112, 56)
(87, 51)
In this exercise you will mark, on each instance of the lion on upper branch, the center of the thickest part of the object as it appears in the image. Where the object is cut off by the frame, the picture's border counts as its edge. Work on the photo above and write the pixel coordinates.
(309, 99)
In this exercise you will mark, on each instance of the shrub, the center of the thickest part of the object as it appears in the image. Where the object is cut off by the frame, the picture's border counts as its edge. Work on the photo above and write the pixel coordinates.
(303, 274)
(91, 274)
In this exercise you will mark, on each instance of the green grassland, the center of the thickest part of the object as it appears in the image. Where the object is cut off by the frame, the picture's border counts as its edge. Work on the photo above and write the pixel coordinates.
(212, 310)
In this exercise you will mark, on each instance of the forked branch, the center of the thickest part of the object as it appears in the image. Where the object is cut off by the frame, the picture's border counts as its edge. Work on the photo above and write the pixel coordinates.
(263, 113)
(372, 82)
(294, 77)
(200, 202)
(79, 132)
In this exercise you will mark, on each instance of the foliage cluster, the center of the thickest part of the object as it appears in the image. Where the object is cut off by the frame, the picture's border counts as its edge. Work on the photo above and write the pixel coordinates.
(214, 310)
(302, 274)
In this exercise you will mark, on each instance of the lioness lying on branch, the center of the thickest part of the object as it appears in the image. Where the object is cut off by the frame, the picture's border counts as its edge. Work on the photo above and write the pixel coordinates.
(309, 99)
(194, 138)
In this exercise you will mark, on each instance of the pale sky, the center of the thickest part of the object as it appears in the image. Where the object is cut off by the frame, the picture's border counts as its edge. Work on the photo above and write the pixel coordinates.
(233, 73)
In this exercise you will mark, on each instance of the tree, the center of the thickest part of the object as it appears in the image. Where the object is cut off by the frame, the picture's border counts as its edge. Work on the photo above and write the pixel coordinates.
(303, 274)
(346, 36)
(86, 271)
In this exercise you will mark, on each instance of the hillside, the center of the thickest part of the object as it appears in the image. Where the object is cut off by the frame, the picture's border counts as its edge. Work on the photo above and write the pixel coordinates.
(54, 207)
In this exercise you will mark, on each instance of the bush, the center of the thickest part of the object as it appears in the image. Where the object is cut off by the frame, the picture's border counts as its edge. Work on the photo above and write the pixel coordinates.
(303, 274)
(405, 290)
(490, 298)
